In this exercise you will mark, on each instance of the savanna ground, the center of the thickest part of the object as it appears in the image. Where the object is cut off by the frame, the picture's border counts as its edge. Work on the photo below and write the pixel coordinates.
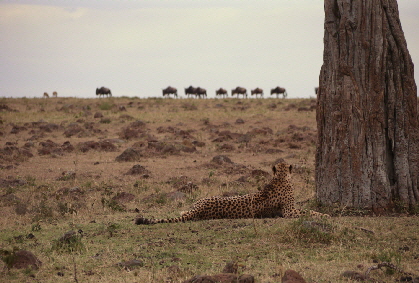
(69, 164)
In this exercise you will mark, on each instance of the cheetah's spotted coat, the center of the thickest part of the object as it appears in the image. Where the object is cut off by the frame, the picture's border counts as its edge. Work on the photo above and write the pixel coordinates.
(275, 199)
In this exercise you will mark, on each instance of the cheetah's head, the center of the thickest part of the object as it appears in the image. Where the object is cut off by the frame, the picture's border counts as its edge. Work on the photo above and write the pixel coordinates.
(281, 169)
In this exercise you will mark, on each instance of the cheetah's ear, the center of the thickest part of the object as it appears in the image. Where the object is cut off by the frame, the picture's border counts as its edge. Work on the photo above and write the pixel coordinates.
(274, 169)
(290, 168)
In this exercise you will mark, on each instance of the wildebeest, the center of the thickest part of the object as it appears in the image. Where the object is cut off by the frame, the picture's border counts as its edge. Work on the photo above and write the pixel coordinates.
(279, 90)
(316, 90)
(190, 91)
(103, 91)
(169, 90)
(201, 92)
(54, 94)
(239, 90)
(221, 92)
(45, 95)
(257, 91)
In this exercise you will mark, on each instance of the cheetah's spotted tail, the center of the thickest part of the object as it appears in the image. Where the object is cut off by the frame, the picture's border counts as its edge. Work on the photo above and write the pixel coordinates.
(146, 221)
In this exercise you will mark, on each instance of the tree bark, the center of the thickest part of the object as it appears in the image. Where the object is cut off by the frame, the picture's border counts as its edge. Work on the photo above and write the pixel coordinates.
(367, 118)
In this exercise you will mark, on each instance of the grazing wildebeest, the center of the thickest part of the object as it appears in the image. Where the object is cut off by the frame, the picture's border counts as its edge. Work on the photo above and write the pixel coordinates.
(257, 91)
(54, 94)
(190, 91)
(169, 90)
(46, 95)
(201, 92)
(316, 90)
(239, 90)
(279, 90)
(221, 92)
(103, 91)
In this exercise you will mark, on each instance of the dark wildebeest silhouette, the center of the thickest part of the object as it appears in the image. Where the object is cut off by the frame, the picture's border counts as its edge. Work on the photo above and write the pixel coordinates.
(257, 91)
(221, 92)
(279, 90)
(239, 90)
(169, 90)
(201, 92)
(316, 90)
(103, 91)
(190, 91)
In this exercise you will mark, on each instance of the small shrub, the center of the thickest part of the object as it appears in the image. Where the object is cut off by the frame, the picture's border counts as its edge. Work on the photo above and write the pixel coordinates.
(30, 180)
(8, 256)
(43, 211)
(113, 204)
(64, 208)
(70, 242)
(36, 227)
(161, 199)
(112, 229)
(141, 186)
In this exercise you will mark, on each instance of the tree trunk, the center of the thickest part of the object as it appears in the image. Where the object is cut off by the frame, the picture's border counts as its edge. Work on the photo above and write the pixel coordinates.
(367, 118)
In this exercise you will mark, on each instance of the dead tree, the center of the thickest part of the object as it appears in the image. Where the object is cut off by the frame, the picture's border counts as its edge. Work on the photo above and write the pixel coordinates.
(367, 118)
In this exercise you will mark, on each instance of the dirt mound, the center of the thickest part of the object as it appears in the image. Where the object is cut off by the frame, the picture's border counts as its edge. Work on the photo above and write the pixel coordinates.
(105, 145)
(171, 148)
(73, 129)
(98, 115)
(49, 127)
(8, 199)
(221, 278)
(6, 108)
(226, 147)
(179, 181)
(6, 183)
(14, 154)
(292, 276)
(50, 147)
(130, 154)
(17, 129)
(221, 159)
(23, 259)
(261, 131)
(133, 130)
(137, 169)
(228, 275)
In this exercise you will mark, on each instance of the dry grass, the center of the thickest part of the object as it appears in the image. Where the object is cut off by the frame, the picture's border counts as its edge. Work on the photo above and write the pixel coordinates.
(36, 198)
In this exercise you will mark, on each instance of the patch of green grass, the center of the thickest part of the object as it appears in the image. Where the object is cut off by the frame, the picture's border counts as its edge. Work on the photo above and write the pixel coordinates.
(112, 204)
(8, 256)
(69, 243)
(105, 106)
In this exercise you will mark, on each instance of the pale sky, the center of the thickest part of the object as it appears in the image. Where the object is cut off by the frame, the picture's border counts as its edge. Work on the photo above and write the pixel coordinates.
(136, 48)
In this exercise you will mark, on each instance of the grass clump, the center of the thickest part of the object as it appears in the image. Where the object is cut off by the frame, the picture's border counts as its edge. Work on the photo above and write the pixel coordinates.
(307, 231)
(70, 242)
(8, 256)
(112, 204)
(105, 106)
(319, 231)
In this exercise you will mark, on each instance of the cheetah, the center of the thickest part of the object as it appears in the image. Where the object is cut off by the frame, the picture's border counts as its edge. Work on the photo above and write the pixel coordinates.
(274, 199)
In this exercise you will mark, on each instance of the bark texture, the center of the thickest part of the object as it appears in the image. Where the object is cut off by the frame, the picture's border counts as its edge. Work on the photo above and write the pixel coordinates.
(368, 132)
